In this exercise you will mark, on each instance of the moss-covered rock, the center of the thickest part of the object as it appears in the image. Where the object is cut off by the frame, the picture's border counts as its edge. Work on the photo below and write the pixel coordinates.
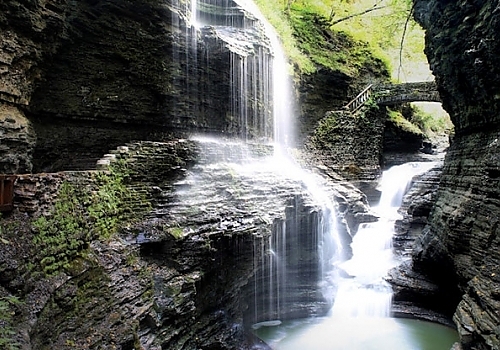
(343, 68)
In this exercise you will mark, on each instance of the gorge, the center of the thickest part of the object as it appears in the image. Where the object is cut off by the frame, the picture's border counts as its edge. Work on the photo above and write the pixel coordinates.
(139, 268)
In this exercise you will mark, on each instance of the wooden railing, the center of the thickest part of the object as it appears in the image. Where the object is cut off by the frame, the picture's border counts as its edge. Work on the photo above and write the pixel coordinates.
(358, 101)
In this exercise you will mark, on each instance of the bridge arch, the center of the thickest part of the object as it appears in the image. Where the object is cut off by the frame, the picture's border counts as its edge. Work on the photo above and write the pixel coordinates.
(393, 94)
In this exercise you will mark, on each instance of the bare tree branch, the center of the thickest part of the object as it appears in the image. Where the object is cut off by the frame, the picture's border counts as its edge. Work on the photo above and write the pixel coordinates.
(400, 67)
(374, 8)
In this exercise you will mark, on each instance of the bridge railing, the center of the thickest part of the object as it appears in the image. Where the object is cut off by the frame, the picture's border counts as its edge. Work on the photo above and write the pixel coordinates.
(358, 101)
(395, 94)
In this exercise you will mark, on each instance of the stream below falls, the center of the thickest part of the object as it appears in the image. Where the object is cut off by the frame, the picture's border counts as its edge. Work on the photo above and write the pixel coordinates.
(360, 318)
(331, 333)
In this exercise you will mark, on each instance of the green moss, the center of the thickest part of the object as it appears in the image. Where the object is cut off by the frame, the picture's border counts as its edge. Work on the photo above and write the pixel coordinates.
(175, 232)
(82, 214)
(61, 236)
(109, 205)
(6, 330)
(337, 51)
(326, 129)
(402, 123)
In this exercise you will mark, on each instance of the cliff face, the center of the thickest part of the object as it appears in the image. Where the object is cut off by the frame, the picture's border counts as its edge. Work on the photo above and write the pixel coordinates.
(193, 273)
(28, 33)
(462, 244)
(81, 77)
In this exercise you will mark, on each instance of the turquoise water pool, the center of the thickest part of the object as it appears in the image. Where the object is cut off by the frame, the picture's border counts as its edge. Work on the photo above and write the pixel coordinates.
(386, 333)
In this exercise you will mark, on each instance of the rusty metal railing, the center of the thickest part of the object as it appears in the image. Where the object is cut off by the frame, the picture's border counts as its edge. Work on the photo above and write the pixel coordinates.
(7, 192)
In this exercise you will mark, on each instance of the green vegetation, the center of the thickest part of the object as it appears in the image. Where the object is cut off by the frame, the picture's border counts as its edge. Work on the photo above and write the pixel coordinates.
(326, 129)
(401, 122)
(109, 203)
(274, 12)
(64, 234)
(175, 232)
(82, 214)
(430, 118)
(6, 329)
(360, 38)
(369, 30)
(337, 51)
(387, 27)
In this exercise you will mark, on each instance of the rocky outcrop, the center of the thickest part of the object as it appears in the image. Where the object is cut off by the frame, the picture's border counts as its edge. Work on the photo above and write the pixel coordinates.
(350, 144)
(416, 294)
(186, 272)
(461, 244)
(90, 76)
(399, 142)
(415, 209)
(17, 141)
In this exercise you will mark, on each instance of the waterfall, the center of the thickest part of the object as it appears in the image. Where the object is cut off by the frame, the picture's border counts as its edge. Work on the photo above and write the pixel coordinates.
(309, 229)
(294, 264)
(365, 293)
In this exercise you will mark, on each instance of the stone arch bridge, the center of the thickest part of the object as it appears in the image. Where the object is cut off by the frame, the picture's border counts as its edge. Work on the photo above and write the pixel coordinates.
(394, 94)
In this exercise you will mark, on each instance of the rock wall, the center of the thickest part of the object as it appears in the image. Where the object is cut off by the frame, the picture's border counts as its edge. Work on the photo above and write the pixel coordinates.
(461, 244)
(129, 292)
(28, 34)
(88, 76)
(415, 293)
(179, 276)
(350, 144)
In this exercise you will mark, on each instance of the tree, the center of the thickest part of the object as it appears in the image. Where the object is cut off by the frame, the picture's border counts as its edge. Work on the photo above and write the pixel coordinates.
(375, 7)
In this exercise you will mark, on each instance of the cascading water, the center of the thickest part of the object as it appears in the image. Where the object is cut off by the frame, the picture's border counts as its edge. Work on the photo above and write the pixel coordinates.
(283, 105)
(296, 258)
(359, 319)
(285, 255)
(365, 293)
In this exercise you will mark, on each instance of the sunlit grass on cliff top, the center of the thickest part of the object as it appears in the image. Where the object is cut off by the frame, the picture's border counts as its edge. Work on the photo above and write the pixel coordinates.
(382, 29)
(274, 11)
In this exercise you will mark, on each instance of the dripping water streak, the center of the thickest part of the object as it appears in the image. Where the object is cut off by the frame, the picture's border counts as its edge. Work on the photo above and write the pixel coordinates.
(325, 235)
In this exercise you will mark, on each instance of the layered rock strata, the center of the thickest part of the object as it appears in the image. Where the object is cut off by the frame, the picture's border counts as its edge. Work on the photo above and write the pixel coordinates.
(182, 277)
(460, 246)
(87, 76)
(415, 294)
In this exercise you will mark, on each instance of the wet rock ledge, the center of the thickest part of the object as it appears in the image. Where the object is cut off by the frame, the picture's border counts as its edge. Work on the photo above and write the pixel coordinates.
(461, 245)
(176, 274)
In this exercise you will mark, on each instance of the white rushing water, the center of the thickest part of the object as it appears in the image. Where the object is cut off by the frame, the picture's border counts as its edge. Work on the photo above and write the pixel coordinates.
(261, 90)
(283, 101)
(365, 293)
(329, 246)
(360, 318)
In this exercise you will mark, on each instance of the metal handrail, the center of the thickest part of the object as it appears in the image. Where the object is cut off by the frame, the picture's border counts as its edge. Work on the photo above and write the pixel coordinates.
(357, 102)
